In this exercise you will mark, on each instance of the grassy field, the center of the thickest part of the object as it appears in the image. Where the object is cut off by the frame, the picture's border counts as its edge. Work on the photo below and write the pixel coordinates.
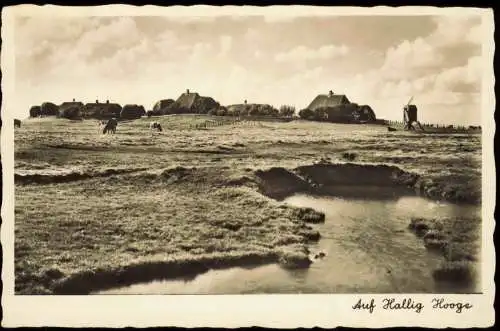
(92, 209)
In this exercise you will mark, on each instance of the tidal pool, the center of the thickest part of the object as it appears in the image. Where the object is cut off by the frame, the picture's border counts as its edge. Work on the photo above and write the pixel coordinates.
(368, 249)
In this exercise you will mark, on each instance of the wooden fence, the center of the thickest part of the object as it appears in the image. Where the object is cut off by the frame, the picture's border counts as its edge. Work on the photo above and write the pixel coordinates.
(438, 127)
(221, 122)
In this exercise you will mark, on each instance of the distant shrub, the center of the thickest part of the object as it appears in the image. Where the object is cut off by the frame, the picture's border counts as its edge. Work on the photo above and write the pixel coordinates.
(221, 111)
(306, 114)
(35, 111)
(287, 111)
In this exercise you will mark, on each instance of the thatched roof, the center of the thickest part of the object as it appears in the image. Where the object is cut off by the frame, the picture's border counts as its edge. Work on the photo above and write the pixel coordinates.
(70, 109)
(325, 101)
(246, 108)
(49, 108)
(194, 102)
(66, 105)
(132, 111)
(160, 106)
(186, 100)
(102, 110)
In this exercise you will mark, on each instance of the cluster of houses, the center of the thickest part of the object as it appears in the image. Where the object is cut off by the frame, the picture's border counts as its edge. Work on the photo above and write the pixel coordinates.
(325, 107)
(77, 110)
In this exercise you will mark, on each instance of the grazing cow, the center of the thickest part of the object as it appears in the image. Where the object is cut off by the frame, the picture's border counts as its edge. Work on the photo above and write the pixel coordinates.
(390, 129)
(110, 126)
(17, 123)
(101, 124)
(155, 126)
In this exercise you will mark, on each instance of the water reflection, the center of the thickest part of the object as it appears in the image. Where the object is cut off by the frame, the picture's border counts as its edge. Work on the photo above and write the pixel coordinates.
(368, 250)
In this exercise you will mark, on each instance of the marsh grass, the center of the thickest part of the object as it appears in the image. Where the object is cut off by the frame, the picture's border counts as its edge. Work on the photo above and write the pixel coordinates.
(89, 204)
(457, 239)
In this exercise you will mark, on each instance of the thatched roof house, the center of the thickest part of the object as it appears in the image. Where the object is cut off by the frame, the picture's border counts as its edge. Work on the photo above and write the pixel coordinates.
(338, 108)
(70, 109)
(132, 111)
(101, 110)
(161, 107)
(190, 102)
(49, 109)
(255, 109)
(328, 100)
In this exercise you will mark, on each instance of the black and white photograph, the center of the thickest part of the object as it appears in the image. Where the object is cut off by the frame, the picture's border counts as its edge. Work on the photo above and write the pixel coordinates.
(239, 152)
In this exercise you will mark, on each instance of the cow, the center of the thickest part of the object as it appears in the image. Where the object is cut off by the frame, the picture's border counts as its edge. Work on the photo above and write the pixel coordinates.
(110, 126)
(390, 129)
(155, 126)
(101, 124)
(17, 123)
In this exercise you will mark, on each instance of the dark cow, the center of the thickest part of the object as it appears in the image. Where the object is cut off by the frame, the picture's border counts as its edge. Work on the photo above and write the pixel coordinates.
(391, 129)
(110, 126)
(17, 123)
(155, 126)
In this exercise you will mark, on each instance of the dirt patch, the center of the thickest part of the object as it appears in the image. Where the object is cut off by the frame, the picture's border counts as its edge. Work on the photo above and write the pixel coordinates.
(278, 183)
(328, 178)
(356, 174)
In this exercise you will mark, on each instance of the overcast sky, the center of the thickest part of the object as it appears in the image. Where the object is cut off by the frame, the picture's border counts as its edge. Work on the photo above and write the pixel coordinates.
(379, 60)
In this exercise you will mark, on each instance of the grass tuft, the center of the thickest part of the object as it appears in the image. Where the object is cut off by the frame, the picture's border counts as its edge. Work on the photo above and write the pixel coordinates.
(309, 215)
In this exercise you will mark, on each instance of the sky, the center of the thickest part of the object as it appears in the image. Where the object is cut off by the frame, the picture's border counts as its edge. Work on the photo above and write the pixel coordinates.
(381, 61)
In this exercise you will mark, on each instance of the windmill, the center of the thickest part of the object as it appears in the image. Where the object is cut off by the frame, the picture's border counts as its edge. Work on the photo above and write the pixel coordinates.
(410, 116)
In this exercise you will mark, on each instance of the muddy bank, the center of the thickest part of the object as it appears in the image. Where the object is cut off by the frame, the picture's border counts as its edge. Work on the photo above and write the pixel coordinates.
(69, 177)
(101, 279)
(332, 179)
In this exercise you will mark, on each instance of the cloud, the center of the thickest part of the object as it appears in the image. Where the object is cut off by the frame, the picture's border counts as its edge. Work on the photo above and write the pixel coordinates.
(465, 78)
(301, 53)
(475, 34)
(410, 59)
(225, 44)
(450, 30)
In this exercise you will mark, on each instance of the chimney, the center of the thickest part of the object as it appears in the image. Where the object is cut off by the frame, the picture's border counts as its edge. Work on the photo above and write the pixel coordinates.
(107, 101)
(96, 101)
(330, 93)
(187, 91)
